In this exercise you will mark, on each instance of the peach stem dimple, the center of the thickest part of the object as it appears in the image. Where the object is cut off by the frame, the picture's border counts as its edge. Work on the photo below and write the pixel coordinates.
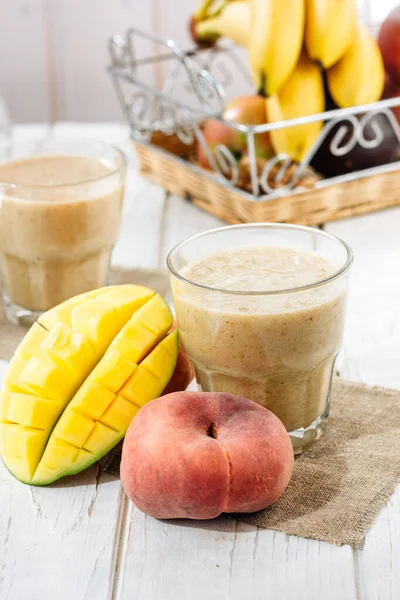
(212, 431)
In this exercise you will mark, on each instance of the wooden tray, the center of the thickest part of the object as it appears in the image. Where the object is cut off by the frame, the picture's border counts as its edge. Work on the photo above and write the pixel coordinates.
(161, 162)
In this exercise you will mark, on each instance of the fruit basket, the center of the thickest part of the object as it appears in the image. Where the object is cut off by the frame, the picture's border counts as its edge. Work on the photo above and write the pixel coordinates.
(352, 166)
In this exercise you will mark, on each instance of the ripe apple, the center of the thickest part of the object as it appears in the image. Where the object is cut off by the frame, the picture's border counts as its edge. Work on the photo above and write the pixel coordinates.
(215, 133)
(389, 43)
(247, 110)
(195, 455)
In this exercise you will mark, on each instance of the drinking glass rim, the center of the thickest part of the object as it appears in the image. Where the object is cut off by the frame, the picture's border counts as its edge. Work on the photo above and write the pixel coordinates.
(116, 170)
(341, 271)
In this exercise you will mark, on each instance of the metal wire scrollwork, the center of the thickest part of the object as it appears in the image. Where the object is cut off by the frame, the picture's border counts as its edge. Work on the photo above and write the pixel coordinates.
(352, 131)
(220, 158)
(201, 76)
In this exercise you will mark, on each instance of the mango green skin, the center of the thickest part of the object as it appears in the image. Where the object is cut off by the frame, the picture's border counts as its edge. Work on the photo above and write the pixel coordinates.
(79, 377)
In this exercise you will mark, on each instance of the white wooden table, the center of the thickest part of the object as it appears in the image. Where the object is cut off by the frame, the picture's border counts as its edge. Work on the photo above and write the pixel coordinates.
(83, 540)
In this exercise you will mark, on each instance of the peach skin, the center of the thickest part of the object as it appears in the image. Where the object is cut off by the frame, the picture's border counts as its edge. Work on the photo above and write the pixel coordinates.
(196, 455)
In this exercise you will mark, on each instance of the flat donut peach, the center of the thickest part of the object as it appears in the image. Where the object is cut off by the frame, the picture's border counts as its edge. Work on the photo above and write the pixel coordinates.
(196, 455)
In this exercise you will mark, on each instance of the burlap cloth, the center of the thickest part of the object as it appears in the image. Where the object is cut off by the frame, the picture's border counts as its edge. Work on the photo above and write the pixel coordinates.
(339, 484)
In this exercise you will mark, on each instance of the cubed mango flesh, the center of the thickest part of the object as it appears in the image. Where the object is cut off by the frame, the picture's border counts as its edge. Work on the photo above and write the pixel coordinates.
(32, 411)
(119, 414)
(101, 438)
(46, 379)
(12, 381)
(26, 443)
(93, 400)
(69, 350)
(150, 378)
(31, 344)
(70, 391)
(113, 370)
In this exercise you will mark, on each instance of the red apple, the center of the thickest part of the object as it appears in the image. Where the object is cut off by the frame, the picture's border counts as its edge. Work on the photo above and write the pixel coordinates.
(247, 110)
(197, 455)
(216, 133)
(389, 43)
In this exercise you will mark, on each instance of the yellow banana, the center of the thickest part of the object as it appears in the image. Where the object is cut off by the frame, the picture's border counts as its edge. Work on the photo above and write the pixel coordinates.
(330, 29)
(277, 30)
(232, 22)
(358, 77)
(301, 95)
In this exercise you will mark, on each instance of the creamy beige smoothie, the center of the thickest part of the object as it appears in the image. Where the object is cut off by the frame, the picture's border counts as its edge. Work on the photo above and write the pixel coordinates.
(59, 220)
(277, 349)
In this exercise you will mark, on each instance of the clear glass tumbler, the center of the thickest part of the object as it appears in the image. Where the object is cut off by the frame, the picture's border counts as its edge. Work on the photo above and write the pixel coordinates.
(60, 212)
(263, 337)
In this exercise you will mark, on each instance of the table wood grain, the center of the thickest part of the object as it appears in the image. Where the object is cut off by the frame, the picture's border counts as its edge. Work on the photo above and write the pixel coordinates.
(82, 540)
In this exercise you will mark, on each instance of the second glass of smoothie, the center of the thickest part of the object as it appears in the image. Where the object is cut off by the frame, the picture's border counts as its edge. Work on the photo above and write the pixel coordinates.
(260, 312)
(60, 212)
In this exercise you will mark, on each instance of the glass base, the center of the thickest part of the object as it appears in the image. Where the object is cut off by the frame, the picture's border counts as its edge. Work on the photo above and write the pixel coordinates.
(303, 438)
(18, 314)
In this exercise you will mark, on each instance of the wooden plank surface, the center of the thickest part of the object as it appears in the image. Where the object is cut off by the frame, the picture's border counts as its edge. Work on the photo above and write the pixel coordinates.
(83, 539)
(372, 355)
(162, 560)
(58, 541)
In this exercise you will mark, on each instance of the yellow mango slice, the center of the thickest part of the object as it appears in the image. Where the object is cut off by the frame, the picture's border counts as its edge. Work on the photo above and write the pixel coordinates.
(67, 460)
(59, 457)
(144, 330)
(74, 428)
(12, 382)
(151, 377)
(3, 446)
(31, 344)
(96, 322)
(133, 295)
(92, 400)
(102, 439)
(5, 399)
(84, 458)
(63, 312)
(24, 443)
(119, 414)
(68, 350)
(133, 342)
(47, 380)
(32, 411)
(63, 457)
(100, 318)
(18, 467)
(62, 406)
(21, 441)
(122, 299)
(113, 370)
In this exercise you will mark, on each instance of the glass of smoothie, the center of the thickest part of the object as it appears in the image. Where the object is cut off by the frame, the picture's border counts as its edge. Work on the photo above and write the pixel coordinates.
(260, 311)
(60, 212)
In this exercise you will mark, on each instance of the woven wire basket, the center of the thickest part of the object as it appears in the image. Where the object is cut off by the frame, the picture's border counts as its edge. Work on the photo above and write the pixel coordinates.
(166, 123)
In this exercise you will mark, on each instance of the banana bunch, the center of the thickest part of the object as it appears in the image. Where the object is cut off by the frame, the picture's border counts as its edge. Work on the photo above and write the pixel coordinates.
(359, 76)
(301, 95)
(290, 44)
(330, 28)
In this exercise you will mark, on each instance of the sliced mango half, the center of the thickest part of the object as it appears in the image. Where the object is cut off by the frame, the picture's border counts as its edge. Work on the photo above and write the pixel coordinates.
(79, 377)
